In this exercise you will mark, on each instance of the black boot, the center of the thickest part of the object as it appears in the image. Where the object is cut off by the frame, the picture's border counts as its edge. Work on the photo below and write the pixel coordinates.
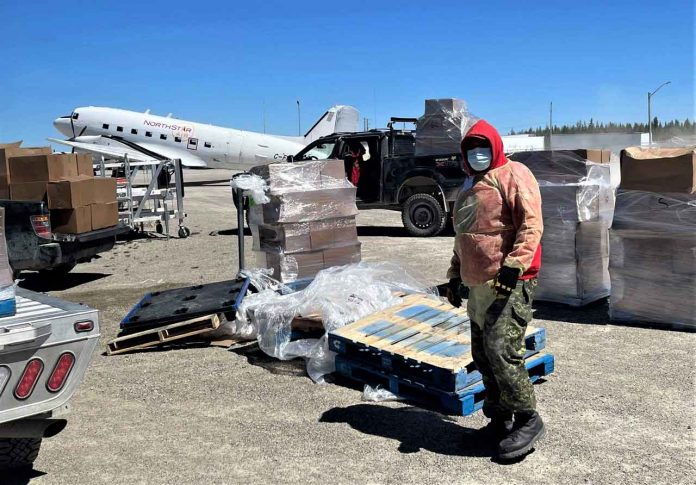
(529, 428)
(498, 427)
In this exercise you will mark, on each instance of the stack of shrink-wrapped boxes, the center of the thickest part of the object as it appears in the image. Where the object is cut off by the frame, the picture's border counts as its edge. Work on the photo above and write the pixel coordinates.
(78, 201)
(443, 125)
(653, 238)
(309, 222)
(577, 205)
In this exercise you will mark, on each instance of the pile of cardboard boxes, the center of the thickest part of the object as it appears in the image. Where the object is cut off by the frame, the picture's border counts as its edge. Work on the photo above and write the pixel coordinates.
(577, 205)
(309, 223)
(78, 201)
(443, 125)
(653, 238)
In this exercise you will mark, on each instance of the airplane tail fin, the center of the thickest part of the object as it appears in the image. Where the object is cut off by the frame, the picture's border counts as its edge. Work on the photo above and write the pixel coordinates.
(337, 119)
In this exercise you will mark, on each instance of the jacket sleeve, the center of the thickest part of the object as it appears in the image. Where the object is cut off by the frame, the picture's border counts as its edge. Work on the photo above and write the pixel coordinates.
(524, 200)
(453, 271)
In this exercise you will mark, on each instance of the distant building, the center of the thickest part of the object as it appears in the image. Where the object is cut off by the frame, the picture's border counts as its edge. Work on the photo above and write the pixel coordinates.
(606, 141)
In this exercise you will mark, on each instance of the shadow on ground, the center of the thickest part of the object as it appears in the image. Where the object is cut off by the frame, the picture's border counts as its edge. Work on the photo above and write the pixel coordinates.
(20, 477)
(596, 313)
(255, 356)
(415, 429)
(43, 283)
(230, 232)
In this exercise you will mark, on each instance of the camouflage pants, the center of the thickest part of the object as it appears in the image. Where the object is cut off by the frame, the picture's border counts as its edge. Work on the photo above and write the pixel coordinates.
(498, 325)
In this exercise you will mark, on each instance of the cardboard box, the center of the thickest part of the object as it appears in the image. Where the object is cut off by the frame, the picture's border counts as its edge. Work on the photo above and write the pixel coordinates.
(42, 168)
(659, 169)
(71, 193)
(302, 176)
(333, 233)
(10, 151)
(104, 215)
(104, 190)
(669, 214)
(71, 221)
(342, 256)
(84, 164)
(310, 205)
(30, 191)
(4, 193)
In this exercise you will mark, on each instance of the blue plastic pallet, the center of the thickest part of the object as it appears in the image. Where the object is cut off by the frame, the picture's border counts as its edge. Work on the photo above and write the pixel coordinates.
(423, 340)
(462, 403)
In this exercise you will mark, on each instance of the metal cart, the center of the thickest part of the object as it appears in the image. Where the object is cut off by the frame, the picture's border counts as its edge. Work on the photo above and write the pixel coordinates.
(148, 193)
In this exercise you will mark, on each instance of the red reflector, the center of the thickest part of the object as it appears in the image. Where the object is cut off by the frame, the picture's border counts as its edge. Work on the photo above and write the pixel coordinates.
(26, 383)
(60, 372)
(86, 326)
(42, 226)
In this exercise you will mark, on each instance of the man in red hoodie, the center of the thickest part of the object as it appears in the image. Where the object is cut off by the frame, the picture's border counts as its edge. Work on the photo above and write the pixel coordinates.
(497, 255)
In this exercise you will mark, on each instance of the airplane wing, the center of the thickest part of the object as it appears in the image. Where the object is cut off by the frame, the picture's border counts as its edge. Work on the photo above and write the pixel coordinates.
(135, 152)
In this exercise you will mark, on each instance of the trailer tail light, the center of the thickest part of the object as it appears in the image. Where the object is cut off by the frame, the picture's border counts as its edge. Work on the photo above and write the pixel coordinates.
(60, 372)
(42, 226)
(4, 377)
(27, 382)
(84, 326)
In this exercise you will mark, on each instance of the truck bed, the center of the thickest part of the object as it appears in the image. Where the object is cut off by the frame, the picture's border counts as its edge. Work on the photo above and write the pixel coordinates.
(43, 328)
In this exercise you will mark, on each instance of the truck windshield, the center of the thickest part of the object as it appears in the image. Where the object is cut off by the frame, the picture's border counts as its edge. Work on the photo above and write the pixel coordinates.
(321, 151)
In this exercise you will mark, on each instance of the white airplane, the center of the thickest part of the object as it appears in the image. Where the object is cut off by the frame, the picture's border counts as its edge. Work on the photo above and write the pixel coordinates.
(114, 133)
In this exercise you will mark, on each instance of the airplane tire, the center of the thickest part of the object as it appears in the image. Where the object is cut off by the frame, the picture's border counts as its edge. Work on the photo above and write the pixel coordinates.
(184, 232)
(423, 215)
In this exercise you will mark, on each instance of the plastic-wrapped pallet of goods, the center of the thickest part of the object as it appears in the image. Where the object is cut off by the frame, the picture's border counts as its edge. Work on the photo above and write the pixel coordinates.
(7, 287)
(577, 205)
(653, 239)
(308, 224)
(443, 125)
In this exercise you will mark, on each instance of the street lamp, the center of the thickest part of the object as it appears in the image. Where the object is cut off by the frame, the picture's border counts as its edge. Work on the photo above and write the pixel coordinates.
(650, 95)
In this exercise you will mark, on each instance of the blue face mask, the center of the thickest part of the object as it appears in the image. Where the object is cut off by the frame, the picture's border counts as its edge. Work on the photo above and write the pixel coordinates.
(479, 158)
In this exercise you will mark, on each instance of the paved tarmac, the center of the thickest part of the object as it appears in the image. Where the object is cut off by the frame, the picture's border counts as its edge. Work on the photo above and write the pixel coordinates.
(619, 407)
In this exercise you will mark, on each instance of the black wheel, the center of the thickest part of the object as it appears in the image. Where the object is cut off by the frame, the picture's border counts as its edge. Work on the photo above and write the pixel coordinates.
(423, 215)
(184, 232)
(60, 270)
(159, 228)
(18, 452)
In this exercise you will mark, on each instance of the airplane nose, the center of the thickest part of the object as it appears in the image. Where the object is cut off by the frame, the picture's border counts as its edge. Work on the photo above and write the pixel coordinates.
(62, 124)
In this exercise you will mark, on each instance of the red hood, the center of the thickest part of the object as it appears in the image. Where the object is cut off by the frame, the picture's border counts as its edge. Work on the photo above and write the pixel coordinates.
(482, 129)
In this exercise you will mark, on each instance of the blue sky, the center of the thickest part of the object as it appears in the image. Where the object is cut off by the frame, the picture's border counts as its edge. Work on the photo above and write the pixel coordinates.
(221, 62)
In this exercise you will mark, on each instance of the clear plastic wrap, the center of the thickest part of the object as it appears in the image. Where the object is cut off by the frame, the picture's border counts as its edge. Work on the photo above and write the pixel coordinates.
(253, 186)
(305, 236)
(297, 266)
(338, 296)
(653, 258)
(443, 125)
(283, 178)
(578, 205)
(305, 206)
(378, 394)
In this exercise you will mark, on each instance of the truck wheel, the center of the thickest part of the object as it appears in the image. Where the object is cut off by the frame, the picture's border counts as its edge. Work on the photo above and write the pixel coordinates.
(423, 215)
(18, 452)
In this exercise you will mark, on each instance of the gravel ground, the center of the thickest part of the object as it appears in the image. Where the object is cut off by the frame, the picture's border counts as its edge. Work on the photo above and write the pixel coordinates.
(619, 407)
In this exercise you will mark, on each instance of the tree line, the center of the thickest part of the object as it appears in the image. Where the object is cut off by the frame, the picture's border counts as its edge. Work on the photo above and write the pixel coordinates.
(661, 129)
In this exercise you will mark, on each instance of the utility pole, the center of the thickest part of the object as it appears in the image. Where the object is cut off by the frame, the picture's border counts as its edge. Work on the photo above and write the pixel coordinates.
(650, 95)
(550, 125)
(299, 130)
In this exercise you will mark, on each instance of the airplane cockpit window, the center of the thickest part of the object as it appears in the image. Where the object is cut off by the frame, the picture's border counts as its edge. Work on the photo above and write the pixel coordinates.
(207, 144)
(163, 136)
(119, 128)
(177, 139)
(75, 116)
(320, 151)
(148, 133)
(134, 131)
(105, 126)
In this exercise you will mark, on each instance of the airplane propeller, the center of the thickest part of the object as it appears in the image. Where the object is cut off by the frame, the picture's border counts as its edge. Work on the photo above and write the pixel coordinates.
(72, 127)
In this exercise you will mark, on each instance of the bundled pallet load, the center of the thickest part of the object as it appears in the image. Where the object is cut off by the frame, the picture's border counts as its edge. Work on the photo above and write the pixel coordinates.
(309, 222)
(653, 238)
(8, 306)
(443, 125)
(79, 202)
(577, 205)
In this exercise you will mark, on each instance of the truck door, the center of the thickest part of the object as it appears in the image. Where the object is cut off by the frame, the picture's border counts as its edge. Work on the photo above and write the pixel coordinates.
(367, 152)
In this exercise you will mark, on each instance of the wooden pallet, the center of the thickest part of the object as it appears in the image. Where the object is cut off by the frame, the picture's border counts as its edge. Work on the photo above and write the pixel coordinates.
(424, 340)
(159, 336)
(462, 403)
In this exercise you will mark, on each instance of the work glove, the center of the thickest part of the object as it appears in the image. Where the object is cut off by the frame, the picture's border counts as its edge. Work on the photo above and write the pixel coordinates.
(452, 293)
(506, 280)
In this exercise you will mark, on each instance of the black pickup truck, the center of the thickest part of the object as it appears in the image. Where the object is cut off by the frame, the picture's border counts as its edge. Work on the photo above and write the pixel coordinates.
(423, 188)
(31, 245)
